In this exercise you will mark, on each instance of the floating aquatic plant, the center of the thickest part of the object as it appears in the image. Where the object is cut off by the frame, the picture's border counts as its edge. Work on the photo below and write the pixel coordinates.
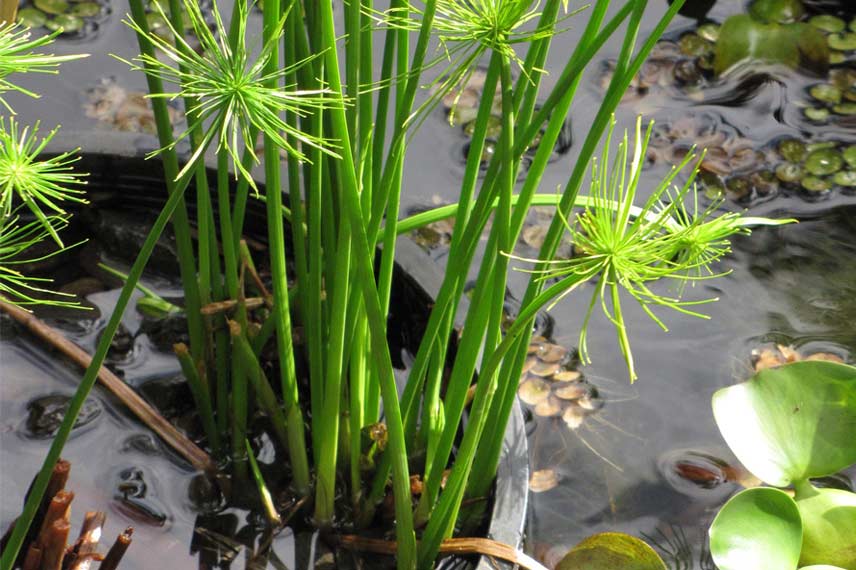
(787, 425)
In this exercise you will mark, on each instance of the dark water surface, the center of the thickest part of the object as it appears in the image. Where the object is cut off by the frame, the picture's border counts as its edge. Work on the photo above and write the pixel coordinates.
(626, 467)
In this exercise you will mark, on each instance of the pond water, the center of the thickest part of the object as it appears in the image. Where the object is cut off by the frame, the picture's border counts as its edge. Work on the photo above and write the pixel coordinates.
(651, 461)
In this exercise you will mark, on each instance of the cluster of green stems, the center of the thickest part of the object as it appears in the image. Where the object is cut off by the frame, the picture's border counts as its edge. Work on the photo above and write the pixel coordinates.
(337, 204)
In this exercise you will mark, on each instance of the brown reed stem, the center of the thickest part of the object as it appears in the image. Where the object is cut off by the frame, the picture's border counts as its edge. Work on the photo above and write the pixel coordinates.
(117, 551)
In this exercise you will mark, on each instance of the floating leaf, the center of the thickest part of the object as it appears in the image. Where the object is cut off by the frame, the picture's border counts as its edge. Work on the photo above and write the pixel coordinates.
(758, 528)
(611, 550)
(741, 37)
(829, 524)
(790, 423)
(777, 11)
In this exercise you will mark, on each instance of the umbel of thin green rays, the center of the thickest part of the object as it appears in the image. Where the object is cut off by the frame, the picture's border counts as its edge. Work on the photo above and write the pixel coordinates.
(15, 240)
(628, 248)
(467, 29)
(17, 55)
(231, 88)
(40, 184)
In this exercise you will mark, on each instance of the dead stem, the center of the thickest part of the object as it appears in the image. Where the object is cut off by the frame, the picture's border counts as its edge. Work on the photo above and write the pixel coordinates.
(117, 551)
(59, 477)
(80, 555)
(483, 546)
(218, 307)
(56, 539)
(148, 415)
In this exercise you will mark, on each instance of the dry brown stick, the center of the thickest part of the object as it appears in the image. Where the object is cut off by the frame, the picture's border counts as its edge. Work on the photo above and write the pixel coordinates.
(58, 510)
(229, 304)
(33, 559)
(483, 546)
(56, 540)
(147, 414)
(117, 551)
(59, 477)
(80, 555)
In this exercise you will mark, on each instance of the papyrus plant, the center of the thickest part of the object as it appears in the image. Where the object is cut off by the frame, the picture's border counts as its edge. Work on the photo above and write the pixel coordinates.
(33, 189)
(343, 123)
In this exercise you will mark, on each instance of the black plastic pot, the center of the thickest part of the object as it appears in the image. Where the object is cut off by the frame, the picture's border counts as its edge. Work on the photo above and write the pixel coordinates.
(115, 163)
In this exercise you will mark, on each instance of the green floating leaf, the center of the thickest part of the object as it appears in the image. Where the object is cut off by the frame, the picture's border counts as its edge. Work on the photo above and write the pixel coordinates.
(611, 550)
(790, 423)
(829, 523)
(758, 528)
(741, 37)
(778, 11)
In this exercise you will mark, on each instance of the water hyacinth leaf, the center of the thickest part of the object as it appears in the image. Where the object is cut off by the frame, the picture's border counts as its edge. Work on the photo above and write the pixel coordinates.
(790, 423)
(611, 550)
(742, 37)
(757, 528)
(829, 526)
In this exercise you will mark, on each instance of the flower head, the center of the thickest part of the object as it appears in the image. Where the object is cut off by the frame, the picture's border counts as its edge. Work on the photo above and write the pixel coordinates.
(17, 56)
(40, 184)
(467, 29)
(15, 239)
(232, 88)
(629, 248)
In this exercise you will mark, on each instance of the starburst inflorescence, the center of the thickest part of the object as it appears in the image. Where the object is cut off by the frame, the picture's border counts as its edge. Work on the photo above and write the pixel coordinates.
(231, 87)
(629, 248)
(40, 184)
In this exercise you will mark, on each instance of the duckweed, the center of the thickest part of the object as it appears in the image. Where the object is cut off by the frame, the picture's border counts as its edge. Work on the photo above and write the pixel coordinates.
(846, 178)
(792, 150)
(823, 162)
(68, 23)
(826, 93)
(55, 7)
(789, 172)
(31, 17)
(827, 23)
(842, 42)
(815, 184)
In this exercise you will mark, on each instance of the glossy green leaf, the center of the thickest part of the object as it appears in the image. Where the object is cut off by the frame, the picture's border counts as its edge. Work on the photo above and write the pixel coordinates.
(791, 423)
(829, 523)
(741, 37)
(758, 528)
(611, 550)
(821, 567)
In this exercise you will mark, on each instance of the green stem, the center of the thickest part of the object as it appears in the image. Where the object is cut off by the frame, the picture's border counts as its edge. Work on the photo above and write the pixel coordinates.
(364, 258)
(282, 313)
(181, 223)
(201, 395)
